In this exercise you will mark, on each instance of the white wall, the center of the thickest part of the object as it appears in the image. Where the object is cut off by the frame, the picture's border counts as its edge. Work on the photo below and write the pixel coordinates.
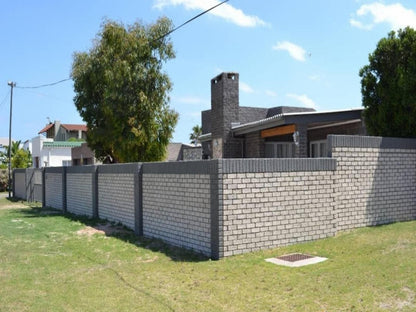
(49, 156)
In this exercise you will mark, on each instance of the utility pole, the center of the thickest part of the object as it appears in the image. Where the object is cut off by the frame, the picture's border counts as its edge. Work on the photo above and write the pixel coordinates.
(12, 85)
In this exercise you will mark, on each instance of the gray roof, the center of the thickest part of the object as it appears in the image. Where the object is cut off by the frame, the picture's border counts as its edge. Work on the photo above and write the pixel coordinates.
(306, 117)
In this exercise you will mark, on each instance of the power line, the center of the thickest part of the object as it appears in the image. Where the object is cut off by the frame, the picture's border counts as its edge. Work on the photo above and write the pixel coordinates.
(5, 98)
(161, 37)
(44, 85)
(190, 20)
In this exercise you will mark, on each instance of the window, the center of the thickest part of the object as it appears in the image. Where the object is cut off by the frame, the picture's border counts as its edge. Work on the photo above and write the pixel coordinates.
(318, 149)
(280, 149)
(66, 163)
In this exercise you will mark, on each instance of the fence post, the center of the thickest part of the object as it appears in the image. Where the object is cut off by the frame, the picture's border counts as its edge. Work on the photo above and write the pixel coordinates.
(43, 188)
(138, 201)
(216, 204)
(95, 213)
(64, 203)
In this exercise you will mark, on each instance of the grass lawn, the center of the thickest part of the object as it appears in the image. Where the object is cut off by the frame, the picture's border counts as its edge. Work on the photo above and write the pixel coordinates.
(54, 262)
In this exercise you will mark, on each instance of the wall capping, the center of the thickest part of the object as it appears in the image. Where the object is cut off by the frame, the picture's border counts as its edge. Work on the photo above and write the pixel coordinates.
(370, 142)
(181, 167)
(277, 165)
(81, 169)
(120, 168)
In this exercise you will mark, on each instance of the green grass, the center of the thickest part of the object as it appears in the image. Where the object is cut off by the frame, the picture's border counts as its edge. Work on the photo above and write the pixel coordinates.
(45, 265)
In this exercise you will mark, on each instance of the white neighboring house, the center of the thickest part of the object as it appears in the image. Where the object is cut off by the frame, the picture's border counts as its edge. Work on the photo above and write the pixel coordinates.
(49, 153)
(52, 148)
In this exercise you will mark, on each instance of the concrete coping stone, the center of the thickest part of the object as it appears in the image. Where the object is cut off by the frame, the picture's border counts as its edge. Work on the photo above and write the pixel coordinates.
(19, 170)
(81, 169)
(277, 165)
(370, 142)
(120, 168)
(55, 170)
(182, 167)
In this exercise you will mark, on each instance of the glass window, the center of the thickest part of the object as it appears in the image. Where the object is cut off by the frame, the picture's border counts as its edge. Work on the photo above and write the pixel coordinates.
(318, 149)
(280, 149)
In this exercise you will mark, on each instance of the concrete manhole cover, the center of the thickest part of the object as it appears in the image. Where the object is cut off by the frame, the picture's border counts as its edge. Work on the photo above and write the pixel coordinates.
(296, 260)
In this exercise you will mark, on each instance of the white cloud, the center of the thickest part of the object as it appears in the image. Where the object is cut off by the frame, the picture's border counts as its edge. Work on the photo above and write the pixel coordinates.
(315, 77)
(246, 88)
(396, 15)
(271, 93)
(305, 100)
(225, 11)
(295, 51)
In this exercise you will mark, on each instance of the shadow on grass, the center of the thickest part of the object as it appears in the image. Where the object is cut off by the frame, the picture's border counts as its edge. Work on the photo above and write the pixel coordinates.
(115, 230)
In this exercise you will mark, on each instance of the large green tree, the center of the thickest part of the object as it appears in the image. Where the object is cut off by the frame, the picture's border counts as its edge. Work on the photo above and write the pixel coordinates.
(388, 86)
(122, 91)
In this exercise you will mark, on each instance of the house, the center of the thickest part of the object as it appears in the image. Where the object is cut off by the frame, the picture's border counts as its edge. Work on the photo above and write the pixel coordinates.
(180, 151)
(231, 131)
(49, 153)
(52, 147)
(64, 132)
(83, 155)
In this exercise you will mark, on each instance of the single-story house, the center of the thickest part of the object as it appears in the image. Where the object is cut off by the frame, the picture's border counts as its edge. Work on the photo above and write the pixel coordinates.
(231, 131)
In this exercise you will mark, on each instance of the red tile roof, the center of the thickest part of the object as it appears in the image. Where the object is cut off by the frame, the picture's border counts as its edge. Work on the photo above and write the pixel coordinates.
(46, 128)
(69, 127)
(72, 127)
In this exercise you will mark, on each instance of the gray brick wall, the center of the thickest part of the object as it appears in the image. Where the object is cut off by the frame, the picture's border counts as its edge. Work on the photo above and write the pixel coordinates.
(53, 187)
(177, 208)
(116, 197)
(374, 186)
(225, 207)
(265, 210)
(80, 193)
(34, 185)
(20, 184)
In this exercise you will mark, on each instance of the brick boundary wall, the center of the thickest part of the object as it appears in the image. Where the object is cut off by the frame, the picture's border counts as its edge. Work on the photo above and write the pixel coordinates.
(55, 187)
(376, 180)
(224, 207)
(274, 202)
(81, 194)
(19, 183)
(119, 199)
(34, 189)
(180, 204)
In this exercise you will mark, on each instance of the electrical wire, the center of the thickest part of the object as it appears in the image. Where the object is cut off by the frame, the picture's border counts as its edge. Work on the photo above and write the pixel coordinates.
(4, 99)
(44, 85)
(161, 37)
(190, 20)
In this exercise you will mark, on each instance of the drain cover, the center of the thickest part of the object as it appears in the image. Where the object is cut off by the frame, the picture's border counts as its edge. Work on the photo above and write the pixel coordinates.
(296, 260)
(294, 257)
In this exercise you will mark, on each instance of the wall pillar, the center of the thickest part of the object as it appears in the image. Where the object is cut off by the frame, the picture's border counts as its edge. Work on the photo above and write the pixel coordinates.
(302, 146)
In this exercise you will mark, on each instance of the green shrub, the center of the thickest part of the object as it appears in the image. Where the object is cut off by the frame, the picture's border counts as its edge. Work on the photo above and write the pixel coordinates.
(4, 180)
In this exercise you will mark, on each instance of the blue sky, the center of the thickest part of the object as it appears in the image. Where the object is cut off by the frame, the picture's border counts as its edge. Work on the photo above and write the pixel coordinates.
(298, 52)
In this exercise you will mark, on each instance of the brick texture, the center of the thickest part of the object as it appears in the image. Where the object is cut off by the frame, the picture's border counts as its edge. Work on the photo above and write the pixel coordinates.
(176, 208)
(374, 186)
(79, 193)
(265, 210)
(53, 193)
(116, 197)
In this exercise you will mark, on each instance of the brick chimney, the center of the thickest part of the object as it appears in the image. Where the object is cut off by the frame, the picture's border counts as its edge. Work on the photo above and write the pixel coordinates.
(224, 112)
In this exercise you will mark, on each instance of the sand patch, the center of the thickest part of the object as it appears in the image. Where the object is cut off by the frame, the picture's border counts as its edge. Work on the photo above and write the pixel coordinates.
(103, 229)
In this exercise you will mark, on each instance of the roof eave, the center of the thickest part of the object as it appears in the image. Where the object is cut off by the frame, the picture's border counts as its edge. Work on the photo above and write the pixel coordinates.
(297, 118)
